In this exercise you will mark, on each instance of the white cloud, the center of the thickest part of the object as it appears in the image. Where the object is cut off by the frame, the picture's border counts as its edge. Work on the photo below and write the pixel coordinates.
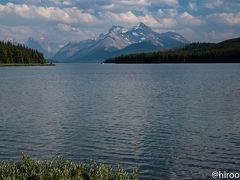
(134, 2)
(63, 2)
(130, 18)
(228, 18)
(167, 18)
(118, 6)
(190, 34)
(49, 2)
(64, 27)
(68, 28)
(207, 36)
(172, 3)
(210, 4)
(142, 3)
(20, 33)
(189, 19)
(109, 6)
(216, 36)
(66, 15)
(167, 22)
(192, 6)
(160, 12)
(171, 12)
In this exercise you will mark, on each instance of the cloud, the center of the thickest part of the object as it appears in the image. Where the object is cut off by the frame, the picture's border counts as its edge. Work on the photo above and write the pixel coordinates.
(231, 19)
(167, 22)
(63, 2)
(65, 27)
(62, 21)
(134, 2)
(218, 36)
(160, 12)
(172, 3)
(210, 4)
(95, 3)
(47, 2)
(66, 15)
(110, 4)
(207, 36)
(69, 28)
(20, 33)
(189, 19)
(192, 6)
(166, 17)
(171, 12)
(130, 18)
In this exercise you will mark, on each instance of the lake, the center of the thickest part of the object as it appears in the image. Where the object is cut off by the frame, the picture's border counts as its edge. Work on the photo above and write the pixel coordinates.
(170, 121)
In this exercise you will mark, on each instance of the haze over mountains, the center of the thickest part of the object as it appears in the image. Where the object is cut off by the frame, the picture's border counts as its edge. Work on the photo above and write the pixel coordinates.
(119, 40)
(48, 49)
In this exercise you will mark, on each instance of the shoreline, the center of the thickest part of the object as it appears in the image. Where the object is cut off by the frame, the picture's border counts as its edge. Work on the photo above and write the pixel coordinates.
(31, 64)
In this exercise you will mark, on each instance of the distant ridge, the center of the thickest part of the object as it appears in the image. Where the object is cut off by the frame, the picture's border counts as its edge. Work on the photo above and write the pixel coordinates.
(224, 52)
(38, 45)
(120, 40)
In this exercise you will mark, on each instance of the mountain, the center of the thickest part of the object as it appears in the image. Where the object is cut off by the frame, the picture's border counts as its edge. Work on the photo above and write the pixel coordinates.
(42, 47)
(224, 52)
(120, 40)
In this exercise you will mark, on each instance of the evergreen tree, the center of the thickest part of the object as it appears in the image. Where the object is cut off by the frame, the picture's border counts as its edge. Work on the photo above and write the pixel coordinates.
(10, 53)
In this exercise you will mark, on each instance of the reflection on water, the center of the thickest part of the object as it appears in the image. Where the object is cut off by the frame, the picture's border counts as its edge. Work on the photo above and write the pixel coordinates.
(171, 121)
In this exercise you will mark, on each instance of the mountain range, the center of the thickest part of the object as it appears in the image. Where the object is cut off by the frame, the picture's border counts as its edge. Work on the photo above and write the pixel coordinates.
(117, 41)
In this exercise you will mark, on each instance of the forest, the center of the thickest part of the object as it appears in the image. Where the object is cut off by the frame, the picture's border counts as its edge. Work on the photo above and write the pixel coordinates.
(19, 54)
(224, 52)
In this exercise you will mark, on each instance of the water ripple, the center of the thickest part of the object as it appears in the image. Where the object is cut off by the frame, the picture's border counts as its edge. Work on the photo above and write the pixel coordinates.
(170, 121)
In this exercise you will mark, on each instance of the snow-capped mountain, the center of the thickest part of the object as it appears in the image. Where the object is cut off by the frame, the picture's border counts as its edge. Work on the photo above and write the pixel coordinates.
(119, 40)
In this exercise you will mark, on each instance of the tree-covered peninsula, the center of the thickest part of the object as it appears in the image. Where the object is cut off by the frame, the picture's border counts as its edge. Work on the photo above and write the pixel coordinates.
(224, 52)
(19, 54)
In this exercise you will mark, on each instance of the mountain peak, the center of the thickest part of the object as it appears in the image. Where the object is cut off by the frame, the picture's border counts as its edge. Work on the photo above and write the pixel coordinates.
(117, 29)
(143, 26)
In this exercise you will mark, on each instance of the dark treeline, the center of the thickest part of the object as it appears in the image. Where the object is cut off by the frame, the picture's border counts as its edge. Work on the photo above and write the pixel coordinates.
(19, 54)
(224, 52)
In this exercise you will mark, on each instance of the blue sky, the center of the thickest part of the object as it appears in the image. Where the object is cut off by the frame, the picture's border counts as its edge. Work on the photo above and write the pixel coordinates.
(61, 21)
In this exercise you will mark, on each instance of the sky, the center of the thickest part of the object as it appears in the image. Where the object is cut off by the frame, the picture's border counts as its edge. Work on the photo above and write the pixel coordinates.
(61, 21)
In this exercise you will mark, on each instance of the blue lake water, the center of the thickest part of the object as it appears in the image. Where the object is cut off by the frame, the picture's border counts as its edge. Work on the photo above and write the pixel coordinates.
(170, 121)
